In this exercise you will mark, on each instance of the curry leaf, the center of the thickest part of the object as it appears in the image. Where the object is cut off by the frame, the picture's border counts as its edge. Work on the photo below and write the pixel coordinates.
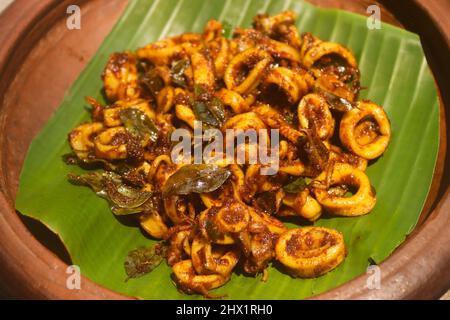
(177, 72)
(316, 152)
(143, 260)
(74, 160)
(227, 30)
(124, 199)
(215, 105)
(337, 103)
(208, 108)
(195, 178)
(152, 82)
(138, 123)
(297, 185)
(95, 180)
(202, 113)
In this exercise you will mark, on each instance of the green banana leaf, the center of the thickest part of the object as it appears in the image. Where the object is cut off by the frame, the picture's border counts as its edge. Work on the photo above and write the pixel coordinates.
(393, 69)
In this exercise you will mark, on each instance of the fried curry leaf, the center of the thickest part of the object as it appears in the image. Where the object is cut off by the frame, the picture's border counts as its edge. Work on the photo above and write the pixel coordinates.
(177, 72)
(95, 180)
(215, 105)
(143, 260)
(297, 185)
(73, 160)
(316, 152)
(195, 178)
(124, 199)
(152, 82)
(208, 108)
(202, 113)
(336, 103)
(227, 30)
(138, 123)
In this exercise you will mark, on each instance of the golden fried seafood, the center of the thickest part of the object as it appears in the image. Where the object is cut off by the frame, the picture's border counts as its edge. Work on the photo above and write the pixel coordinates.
(303, 205)
(255, 60)
(81, 138)
(335, 201)
(120, 77)
(314, 112)
(191, 282)
(111, 116)
(111, 144)
(366, 130)
(310, 251)
(295, 94)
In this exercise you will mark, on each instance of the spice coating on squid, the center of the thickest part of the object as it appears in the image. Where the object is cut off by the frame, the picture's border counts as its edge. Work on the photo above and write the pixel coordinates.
(219, 216)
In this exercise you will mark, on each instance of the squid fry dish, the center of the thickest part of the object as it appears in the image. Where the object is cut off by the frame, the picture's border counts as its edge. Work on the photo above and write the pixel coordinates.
(218, 217)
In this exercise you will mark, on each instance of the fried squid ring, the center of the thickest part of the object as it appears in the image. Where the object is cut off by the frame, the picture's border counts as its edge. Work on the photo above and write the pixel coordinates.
(245, 121)
(120, 77)
(314, 111)
(313, 49)
(275, 226)
(311, 251)
(295, 168)
(161, 52)
(361, 202)
(339, 156)
(221, 224)
(257, 61)
(241, 123)
(185, 113)
(304, 205)
(281, 50)
(81, 138)
(206, 260)
(285, 80)
(176, 209)
(160, 170)
(269, 24)
(109, 145)
(349, 135)
(238, 181)
(165, 99)
(233, 99)
(258, 251)
(203, 70)
(190, 282)
(179, 246)
(111, 116)
(280, 27)
(213, 30)
(220, 51)
(153, 223)
(233, 217)
(274, 120)
(331, 83)
(210, 230)
(255, 182)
